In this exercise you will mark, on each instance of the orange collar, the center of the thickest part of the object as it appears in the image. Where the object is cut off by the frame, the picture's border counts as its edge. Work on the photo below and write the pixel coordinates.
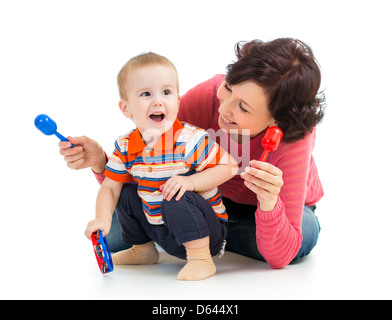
(166, 142)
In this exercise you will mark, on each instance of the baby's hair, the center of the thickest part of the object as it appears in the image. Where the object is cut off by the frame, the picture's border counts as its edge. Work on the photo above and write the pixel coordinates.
(142, 60)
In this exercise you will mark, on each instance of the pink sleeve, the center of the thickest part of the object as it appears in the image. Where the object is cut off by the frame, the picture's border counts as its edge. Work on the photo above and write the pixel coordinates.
(278, 232)
(100, 176)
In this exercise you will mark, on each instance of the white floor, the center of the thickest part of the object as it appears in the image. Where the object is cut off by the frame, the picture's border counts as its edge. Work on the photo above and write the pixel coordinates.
(62, 275)
(44, 206)
(54, 268)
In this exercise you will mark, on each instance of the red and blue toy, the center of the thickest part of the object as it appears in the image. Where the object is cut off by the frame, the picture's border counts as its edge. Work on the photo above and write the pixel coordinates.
(102, 252)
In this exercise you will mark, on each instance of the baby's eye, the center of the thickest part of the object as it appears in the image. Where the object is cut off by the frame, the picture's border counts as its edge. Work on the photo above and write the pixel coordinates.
(166, 92)
(145, 94)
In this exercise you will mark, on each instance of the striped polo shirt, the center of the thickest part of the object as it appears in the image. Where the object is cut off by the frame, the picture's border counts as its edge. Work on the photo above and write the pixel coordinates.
(182, 150)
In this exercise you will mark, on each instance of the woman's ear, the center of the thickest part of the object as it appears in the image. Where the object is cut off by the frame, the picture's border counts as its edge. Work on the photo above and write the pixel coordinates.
(123, 105)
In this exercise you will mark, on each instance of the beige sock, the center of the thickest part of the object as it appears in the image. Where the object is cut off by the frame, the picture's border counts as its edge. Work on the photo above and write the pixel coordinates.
(199, 265)
(139, 254)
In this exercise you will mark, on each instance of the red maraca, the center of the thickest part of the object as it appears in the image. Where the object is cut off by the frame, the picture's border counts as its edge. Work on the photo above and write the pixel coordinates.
(271, 141)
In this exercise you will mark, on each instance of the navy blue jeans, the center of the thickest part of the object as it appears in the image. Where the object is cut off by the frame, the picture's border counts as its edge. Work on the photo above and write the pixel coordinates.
(190, 218)
(242, 230)
(241, 236)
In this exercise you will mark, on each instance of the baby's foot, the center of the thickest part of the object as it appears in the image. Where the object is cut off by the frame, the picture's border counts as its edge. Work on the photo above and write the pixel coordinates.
(197, 270)
(199, 265)
(139, 254)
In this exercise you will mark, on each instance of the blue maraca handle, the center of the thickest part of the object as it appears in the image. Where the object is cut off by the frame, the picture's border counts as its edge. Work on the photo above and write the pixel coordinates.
(62, 138)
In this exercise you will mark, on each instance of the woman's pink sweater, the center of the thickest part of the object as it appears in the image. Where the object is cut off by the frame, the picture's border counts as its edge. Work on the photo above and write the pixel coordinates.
(278, 232)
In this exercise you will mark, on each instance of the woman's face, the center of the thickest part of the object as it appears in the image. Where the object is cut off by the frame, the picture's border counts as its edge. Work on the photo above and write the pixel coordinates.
(243, 107)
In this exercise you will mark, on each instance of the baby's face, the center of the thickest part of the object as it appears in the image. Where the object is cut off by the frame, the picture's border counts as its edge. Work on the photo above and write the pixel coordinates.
(152, 98)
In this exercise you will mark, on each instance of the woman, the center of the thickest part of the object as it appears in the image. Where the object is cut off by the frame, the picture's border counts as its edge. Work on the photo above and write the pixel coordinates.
(270, 204)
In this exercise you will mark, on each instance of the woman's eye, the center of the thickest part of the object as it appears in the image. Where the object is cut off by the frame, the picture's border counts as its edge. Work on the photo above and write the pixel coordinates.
(242, 108)
(240, 104)
(145, 94)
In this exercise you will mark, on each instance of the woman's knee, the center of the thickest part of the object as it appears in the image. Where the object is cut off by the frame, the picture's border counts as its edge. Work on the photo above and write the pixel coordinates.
(310, 226)
(310, 232)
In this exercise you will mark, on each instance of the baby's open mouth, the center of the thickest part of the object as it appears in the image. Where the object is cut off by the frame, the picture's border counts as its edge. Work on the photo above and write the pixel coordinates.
(157, 116)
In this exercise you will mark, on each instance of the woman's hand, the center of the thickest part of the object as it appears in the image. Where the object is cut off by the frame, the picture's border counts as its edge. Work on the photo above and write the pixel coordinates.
(176, 184)
(86, 153)
(265, 180)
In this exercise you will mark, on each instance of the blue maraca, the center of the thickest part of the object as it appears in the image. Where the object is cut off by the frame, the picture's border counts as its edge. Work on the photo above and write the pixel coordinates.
(47, 126)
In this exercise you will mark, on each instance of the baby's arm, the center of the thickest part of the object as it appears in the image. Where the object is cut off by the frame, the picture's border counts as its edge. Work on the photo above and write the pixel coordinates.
(215, 176)
(201, 181)
(107, 199)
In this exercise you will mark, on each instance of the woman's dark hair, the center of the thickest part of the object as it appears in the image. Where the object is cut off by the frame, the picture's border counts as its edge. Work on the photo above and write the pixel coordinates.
(290, 77)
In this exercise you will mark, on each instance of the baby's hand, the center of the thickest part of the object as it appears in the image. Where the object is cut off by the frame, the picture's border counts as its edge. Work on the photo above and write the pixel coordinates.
(98, 224)
(176, 184)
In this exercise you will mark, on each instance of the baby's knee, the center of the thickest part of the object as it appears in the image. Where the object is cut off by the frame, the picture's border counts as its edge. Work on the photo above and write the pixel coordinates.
(176, 207)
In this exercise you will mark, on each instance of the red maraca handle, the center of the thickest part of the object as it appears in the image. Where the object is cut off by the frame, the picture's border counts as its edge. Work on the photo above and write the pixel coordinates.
(264, 156)
(271, 141)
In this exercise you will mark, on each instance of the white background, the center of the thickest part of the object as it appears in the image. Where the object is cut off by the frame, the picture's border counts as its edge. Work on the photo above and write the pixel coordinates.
(62, 58)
